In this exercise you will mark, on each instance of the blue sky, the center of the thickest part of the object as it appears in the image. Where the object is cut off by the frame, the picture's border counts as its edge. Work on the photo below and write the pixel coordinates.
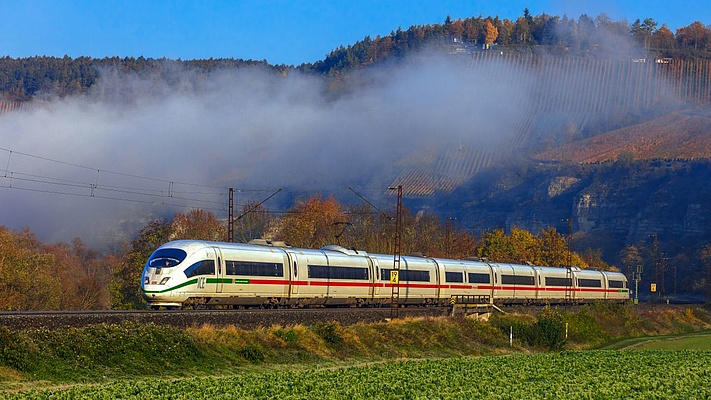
(280, 31)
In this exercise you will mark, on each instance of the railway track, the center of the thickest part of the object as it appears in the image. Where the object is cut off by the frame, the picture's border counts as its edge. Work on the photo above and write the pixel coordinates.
(246, 319)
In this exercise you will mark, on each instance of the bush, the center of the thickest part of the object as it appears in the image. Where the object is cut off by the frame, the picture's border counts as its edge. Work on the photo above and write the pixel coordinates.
(549, 330)
(518, 325)
(287, 336)
(330, 332)
(252, 354)
(17, 351)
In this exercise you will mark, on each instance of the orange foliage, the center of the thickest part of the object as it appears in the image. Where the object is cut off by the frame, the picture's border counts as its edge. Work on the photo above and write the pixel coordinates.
(313, 223)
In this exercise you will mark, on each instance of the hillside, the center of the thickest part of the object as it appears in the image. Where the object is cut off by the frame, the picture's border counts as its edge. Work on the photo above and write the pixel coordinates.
(673, 136)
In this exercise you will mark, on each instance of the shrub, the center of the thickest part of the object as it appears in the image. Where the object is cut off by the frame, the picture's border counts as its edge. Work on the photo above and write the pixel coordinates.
(330, 332)
(17, 351)
(287, 336)
(252, 354)
(549, 330)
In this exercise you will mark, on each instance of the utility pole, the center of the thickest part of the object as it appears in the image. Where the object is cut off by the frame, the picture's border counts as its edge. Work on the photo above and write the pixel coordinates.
(662, 267)
(395, 273)
(656, 269)
(230, 218)
(637, 278)
(570, 241)
(569, 269)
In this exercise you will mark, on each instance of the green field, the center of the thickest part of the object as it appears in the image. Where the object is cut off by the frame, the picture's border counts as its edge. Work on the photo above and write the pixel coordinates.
(687, 342)
(602, 374)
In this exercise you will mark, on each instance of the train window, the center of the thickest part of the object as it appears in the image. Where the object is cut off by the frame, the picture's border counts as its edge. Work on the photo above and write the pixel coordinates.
(334, 272)
(475, 277)
(253, 268)
(454, 277)
(589, 283)
(205, 267)
(407, 275)
(617, 284)
(166, 258)
(553, 281)
(517, 280)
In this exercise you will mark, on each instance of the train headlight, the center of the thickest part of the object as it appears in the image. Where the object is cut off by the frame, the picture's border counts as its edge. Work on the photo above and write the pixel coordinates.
(164, 280)
(146, 280)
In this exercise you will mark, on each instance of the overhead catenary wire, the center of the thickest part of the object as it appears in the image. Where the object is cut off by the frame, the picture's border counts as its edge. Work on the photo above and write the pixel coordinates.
(97, 187)
(170, 193)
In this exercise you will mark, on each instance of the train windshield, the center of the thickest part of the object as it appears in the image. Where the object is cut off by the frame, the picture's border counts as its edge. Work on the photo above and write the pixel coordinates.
(166, 258)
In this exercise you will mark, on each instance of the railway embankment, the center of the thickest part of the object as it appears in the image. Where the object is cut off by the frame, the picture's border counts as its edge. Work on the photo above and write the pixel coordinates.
(107, 352)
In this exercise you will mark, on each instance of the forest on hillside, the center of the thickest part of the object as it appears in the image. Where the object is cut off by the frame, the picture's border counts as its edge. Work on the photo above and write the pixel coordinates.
(549, 34)
(22, 79)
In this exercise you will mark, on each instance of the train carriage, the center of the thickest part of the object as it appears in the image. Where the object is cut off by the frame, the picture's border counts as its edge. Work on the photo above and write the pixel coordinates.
(339, 277)
(616, 286)
(554, 284)
(464, 278)
(514, 284)
(589, 285)
(418, 279)
(251, 276)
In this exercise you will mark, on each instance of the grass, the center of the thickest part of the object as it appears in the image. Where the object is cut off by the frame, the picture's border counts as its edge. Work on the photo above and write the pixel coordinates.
(103, 354)
(695, 341)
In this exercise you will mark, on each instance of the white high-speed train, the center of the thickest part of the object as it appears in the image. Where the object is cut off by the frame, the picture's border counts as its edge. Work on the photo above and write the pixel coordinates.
(188, 273)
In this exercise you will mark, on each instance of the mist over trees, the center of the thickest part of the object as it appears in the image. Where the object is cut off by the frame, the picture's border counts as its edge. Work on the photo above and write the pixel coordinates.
(585, 36)
(22, 79)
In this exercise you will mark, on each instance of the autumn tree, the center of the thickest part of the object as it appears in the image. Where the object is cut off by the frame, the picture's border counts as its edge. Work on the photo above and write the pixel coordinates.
(125, 287)
(490, 35)
(312, 223)
(197, 224)
(496, 246)
(663, 39)
(367, 230)
(549, 248)
(252, 223)
(27, 274)
(456, 28)
(694, 35)
(522, 31)
(471, 30)
(593, 259)
(84, 275)
(554, 248)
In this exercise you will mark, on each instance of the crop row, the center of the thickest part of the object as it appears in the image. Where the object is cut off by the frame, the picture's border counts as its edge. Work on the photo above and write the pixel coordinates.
(584, 375)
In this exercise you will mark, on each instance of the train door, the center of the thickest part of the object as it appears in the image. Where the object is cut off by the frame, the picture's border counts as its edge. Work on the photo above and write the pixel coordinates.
(605, 286)
(506, 286)
(375, 275)
(219, 270)
(293, 271)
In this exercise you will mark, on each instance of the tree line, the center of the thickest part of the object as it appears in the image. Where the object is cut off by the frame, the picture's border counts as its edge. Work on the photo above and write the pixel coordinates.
(584, 36)
(72, 276)
(22, 79)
